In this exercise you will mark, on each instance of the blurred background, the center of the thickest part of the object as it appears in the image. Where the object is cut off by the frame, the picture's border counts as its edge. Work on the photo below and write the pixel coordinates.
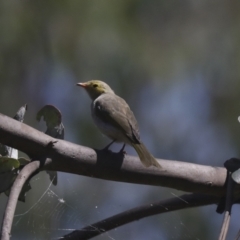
(177, 65)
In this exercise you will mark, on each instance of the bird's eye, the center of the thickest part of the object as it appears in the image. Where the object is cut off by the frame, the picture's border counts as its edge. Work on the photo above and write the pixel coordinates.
(95, 85)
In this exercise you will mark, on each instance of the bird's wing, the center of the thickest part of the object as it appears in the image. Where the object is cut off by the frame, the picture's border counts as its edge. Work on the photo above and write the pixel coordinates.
(113, 110)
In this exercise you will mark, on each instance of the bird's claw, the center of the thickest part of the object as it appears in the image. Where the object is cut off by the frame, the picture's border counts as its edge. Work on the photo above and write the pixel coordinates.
(107, 147)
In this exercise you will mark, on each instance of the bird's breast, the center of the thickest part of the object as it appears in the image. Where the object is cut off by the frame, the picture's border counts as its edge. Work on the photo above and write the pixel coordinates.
(107, 128)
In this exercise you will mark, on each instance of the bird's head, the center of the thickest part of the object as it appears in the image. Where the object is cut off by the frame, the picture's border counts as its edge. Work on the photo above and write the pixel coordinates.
(95, 88)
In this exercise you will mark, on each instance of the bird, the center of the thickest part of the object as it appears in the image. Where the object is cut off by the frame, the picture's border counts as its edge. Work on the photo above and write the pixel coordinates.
(114, 118)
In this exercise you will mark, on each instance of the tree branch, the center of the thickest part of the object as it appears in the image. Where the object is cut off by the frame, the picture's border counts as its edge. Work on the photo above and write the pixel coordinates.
(68, 157)
(22, 177)
(169, 205)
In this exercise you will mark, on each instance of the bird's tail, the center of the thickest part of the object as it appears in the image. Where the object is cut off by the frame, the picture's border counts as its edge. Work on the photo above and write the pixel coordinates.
(145, 156)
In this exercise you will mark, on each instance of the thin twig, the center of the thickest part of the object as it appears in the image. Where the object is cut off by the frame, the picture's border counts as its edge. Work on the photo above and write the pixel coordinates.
(228, 208)
(22, 177)
(238, 236)
(172, 204)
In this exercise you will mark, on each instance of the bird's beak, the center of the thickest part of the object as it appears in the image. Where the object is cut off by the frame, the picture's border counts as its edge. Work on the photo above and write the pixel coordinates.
(84, 85)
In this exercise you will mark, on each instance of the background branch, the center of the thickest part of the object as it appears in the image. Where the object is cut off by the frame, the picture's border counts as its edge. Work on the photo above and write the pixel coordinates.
(169, 205)
(22, 177)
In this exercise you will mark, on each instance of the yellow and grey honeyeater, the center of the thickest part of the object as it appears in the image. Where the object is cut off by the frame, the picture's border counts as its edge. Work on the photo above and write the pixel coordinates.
(114, 118)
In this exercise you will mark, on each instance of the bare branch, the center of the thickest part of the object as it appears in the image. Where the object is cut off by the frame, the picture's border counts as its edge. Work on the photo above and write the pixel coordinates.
(228, 207)
(169, 205)
(238, 236)
(22, 177)
(68, 157)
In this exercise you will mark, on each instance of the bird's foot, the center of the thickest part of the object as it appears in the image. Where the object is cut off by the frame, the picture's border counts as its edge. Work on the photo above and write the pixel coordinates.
(107, 147)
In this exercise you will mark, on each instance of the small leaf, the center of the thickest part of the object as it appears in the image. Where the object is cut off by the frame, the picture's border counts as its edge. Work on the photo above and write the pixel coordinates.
(13, 153)
(23, 161)
(53, 118)
(53, 177)
(236, 176)
(8, 164)
(25, 189)
(20, 113)
(9, 151)
(7, 179)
